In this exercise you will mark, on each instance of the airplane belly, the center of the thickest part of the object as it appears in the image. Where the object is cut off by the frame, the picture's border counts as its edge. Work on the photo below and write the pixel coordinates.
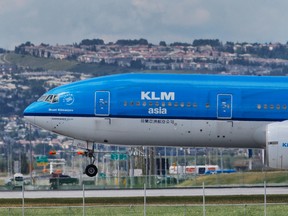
(75, 127)
(158, 132)
(167, 132)
(222, 133)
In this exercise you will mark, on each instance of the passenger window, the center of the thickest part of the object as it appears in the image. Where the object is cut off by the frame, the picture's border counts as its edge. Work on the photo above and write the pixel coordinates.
(195, 105)
(265, 106)
(156, 103)
(176, 104)
(169, 104)
(144, 103)
(207, 105)
(258, 106)
(163, 104)
(188, 104)
(125, 103)
(182, 104)
(137, 103)
(284, 107)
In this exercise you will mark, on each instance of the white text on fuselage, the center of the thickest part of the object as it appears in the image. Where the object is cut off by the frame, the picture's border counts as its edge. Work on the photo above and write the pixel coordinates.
(158, 110)
(151, 95)
(161, 96)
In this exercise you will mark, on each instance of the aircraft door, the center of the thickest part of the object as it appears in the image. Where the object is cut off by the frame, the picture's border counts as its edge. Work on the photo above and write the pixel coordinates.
(102, 103)
(224, 106)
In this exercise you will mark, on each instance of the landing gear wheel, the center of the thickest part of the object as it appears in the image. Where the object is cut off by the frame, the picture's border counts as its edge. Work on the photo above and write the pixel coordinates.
(91, 170)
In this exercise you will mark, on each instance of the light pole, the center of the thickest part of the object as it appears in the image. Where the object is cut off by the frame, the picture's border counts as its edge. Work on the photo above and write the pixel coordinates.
(30, 154)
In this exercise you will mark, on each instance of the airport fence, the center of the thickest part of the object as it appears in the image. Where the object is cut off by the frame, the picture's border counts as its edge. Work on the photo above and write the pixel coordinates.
(204, 209)
(239, 179)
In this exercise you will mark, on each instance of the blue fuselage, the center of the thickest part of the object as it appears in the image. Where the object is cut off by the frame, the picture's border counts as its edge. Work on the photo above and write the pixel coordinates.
(171, 96)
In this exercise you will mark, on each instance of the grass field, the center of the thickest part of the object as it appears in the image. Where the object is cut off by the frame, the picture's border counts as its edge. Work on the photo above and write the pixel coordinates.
(239, 179)
(44, 63)
(185, 200)
(173, 210)
(62, 65)
(214, 205)
(72, 65)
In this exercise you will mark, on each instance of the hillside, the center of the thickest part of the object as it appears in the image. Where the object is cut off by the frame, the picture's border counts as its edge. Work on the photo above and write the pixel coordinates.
(36, 63)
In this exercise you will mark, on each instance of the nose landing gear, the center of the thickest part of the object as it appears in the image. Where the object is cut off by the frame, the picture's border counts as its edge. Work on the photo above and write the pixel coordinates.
(91, 170)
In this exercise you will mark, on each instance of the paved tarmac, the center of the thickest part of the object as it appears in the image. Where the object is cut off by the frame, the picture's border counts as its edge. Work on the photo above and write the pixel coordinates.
(149, 192)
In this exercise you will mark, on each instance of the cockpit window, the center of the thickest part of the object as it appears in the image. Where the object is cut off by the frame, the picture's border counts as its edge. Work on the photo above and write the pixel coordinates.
(55, 99)
(49, 98)
(42, 98)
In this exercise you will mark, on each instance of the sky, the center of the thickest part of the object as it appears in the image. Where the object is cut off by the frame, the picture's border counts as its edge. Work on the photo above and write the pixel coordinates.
(70, 21)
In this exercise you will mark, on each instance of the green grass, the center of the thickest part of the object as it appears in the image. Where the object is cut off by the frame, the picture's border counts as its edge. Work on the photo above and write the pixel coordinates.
(43, 63)
(240, 178)
(185, 200)
(37, 63)
(171, 210)
(63, 65)
(214, 205)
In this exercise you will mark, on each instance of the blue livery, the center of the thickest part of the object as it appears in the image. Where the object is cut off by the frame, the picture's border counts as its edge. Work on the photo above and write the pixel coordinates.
(170, 96)
(186, 110)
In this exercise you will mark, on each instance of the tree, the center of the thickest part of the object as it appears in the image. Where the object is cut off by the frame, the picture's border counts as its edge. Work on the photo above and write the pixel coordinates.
(180, 44)
(24, 164)
(129, 42)
(21, 48)
(162, 43)
(137, 64)
(88, 42)
(44, 45)
(204, 42)
(42, 149)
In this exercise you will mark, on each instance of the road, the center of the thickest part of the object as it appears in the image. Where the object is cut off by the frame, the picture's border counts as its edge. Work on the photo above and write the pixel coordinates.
(149, 192)
(3, 59)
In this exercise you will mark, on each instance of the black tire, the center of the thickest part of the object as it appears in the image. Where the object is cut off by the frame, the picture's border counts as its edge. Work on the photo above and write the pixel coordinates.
(91, 170)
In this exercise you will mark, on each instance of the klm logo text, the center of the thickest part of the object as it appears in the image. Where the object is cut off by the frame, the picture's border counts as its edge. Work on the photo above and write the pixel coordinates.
(151, 95)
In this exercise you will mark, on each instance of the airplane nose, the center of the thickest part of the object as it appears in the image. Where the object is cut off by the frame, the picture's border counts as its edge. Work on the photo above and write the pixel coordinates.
(30, 119)
(28, 115)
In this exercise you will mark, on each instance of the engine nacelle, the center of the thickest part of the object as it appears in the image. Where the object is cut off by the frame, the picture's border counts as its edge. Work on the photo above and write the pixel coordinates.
(277, 145)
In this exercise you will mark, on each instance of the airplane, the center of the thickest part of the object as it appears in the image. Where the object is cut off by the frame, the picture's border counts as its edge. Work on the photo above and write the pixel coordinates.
(187, 110)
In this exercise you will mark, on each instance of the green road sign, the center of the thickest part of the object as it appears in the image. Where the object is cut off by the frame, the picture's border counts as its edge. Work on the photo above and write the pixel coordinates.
(116, 156)
(42, 159)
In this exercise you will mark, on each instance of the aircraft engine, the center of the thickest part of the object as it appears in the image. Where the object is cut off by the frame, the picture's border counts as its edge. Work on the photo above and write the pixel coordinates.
(277, 145)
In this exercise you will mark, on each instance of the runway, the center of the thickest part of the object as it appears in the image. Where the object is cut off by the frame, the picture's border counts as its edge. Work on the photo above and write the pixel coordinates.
(149, 192)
